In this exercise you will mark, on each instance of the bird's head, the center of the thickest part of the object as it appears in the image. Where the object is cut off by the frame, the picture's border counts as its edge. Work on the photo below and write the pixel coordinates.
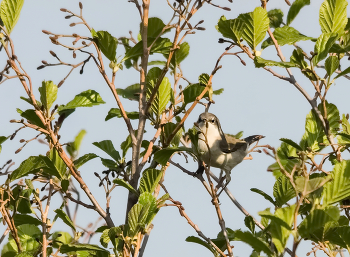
(208, 123)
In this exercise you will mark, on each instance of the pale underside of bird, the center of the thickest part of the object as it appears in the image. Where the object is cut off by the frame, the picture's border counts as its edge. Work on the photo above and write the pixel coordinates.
(220, 150)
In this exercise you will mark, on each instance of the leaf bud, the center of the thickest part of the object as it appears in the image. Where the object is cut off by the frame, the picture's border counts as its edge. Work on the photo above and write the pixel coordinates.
(72, 24)
(1, 76)
(221, 40)
(74, 55)
(80, 5)
(18, 150)
(22, 140)
(14, 57)
(46, 32)
(60, 84)
(226, 8)
(13, 121)
(189, 25)
(96, 174)
(68, 17)
(53, 53)
(201, 21)
(40, 67)
(75, 35)
(83, 43)
(243, 62)
(347, 116)
(44, 62)
(63, 10)
(200, 28)
(9, 161)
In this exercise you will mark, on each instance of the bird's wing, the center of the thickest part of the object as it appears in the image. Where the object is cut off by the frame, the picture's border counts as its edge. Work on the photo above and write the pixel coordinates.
(232, 144)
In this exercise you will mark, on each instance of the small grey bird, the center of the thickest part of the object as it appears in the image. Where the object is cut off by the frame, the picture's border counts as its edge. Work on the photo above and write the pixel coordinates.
(225, 151)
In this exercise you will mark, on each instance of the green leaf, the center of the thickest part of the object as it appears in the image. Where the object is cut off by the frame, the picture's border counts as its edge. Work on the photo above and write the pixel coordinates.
(136, 218)
(115, 112)
(168, 129)
(180, 54)
(65, 184)
(339, 188)
(20, 219)
(260, 62)
(255, 242)
(28, 235)
(48, 94)
(311, 185)
(32, 117)
(131, 92)
(313, 225)
(288, 159)
(73, 147)
(276, 17)
(333, 16)
(34, 164)
(107, 147)
(125, 184)
(331, 64)
(256, 24)
(314, 133)
(59, 164)
(155, 27)
(60, 237)
(323, 45)
(279, 232)
(106, 43)
(285, 36)
(283, 190)
(2, 140)
(64, 217)
(162, 156)
(344, 72)
(161, 45)
(104, 239)
(249, 223)
(192, 91)
(266, 196)
(147, 199)
(277, 220)
(149, 181)
(84, 159)
(197, 240)
(231, 29)
(66, 248)
(220, 240)
(163, 94)
(291, 143)
(87, 98)
(9, 13)
(295, 9)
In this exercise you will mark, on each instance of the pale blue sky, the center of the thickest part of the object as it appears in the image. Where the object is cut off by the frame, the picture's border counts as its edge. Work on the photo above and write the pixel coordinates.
(253, 101)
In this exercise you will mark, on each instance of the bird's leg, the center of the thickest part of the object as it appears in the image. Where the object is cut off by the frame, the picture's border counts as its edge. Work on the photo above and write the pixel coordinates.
(200, 169)
(223, 188)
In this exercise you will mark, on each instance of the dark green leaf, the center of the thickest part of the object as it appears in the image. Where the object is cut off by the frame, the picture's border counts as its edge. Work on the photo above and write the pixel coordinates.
(249, 223)
(266, 196)
(191, 92)
(2, 140)
(197, 240)
(59, 164)
(333, 16)
(65, 184)
(84, 159)
(311, 185)
(260, 63)
(131, 92)
(180, 54)
(168, 129)
(344, 72)
(107, 147)
(149, 181)
(276, 17)
(9, 13)
(285, 36)
(162, 156)
(25, 219)
(32, 117)
(255, 242)
(256, 24)
(231, 29)
(155, 27)
(331, 64)
(115, 112)
(295, 9)
(60, 238)
(106, 43)
(283, 190)
(65, 248)
(292, 143)
(323, 45)
(339, 188)
(125, 184)
(64, 217)
(87, 98)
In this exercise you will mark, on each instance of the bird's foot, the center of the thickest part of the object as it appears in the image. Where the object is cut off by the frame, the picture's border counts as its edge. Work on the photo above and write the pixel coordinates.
(199, 171)
(222, 189)
(220, 183)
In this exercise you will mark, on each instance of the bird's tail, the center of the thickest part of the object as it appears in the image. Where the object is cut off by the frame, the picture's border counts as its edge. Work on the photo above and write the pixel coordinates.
(252, 139)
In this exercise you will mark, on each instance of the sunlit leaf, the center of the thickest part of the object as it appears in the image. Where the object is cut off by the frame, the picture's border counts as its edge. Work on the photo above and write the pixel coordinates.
(87, 98)
(333, 18)
(9, 13)
(116, 112)
(106, 43)
(48, 94)
(149, 180)
(64, 217)
(107, 147)
(295, 9)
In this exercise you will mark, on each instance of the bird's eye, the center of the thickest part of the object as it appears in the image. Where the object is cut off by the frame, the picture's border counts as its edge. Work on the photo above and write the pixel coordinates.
(212, 121)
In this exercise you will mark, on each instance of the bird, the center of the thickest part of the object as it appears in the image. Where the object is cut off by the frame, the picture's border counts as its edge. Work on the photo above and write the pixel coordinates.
(217, 149)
